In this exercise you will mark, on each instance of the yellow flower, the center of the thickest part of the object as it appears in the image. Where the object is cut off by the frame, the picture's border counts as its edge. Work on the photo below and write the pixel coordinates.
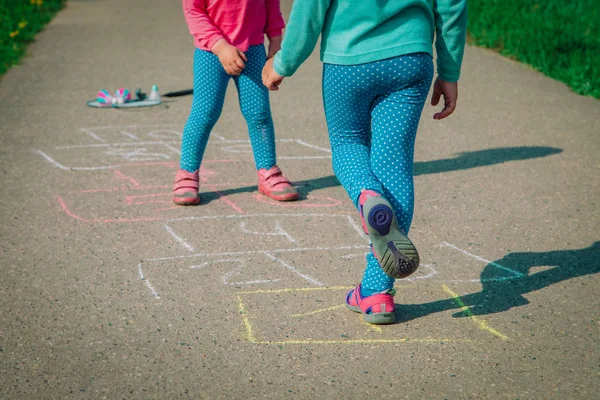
(33, 2)
(14, 33)
(22, 24)
(40, 2)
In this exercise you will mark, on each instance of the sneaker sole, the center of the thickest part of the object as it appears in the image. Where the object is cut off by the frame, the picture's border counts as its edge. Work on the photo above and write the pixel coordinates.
(186, 201)
(396, 254)
(377, 318)
(283, 197)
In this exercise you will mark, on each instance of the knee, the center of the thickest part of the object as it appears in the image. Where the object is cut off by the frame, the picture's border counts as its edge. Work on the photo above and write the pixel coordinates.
(204, 116)
(257, 117)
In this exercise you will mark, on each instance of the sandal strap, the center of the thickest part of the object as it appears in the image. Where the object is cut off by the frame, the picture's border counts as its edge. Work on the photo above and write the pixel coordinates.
(275, 170)
(376, 303)
(274, 177)
(184, 179)
(186, 183)
(275, 180)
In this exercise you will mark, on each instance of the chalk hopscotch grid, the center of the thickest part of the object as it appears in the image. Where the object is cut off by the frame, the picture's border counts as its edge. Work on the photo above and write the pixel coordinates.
(170, 145)
(271, 254)
(250, 335)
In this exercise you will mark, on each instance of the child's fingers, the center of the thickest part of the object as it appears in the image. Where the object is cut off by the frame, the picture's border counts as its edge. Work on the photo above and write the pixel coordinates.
(275, 86)
(237, 65)
(449, 107)
(241, 53)
(240, 63)
(233, 69)
(272, 84)
(435, 98)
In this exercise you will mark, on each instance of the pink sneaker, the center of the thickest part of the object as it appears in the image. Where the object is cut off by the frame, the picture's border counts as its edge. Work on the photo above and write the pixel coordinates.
(396, 254)
(376, 309)
(272, 183)
(185, 191)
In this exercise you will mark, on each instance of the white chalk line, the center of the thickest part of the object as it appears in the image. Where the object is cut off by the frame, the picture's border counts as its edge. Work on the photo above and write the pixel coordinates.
(254, 282)
(129, 135)
(293, 269)
(231, 273)
(51, 160)
(516, 273)
(245, 148)
(358, 228)
(312, 146)
(242, 141)
(199, 266)
(147, 282)
(179, 239)
(279, 231)
(173, 149)
(152, 142)
(100, 145)
(432, 272)
(239, 253)
(92, 134)
(236, 216)
(303, 157)
(238, 270)
(270, 254)
(105, 167)
(59, 165)
(126, 126)
(159, 134)
(355, 255)
(285, 233)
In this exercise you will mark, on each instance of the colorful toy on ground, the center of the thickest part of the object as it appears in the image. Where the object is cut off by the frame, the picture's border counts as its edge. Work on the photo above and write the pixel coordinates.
(123, 99)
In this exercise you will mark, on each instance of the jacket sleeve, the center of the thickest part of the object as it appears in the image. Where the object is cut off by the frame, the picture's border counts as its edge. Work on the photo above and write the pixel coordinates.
(275, 24)
(303, 30)
(199, 24)
(450, 35)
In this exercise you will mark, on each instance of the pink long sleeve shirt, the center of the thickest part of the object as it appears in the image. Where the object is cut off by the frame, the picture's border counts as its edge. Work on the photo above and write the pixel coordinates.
(243, 23)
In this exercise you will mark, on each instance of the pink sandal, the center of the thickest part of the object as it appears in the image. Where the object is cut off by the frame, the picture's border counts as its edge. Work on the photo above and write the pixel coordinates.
(377, 309)
(185, 191)
(272, 183)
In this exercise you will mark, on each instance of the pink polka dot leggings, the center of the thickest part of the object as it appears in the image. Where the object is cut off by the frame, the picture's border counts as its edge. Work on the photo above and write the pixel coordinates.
(210, 85)
(372, 113)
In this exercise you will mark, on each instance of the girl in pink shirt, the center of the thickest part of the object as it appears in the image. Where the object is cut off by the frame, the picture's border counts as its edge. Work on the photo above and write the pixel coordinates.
(229, 39)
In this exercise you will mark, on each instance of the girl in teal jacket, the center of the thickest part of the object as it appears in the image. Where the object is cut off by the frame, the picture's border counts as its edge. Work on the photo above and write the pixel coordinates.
(377, 71)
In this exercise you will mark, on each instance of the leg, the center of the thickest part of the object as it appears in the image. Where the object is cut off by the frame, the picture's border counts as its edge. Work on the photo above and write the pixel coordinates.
(395, 121)
(256, 109)
(210, 84)
(347, 98)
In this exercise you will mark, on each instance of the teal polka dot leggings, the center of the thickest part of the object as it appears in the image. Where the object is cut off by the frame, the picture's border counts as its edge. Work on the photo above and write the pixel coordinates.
(210, 85)
(372, 113)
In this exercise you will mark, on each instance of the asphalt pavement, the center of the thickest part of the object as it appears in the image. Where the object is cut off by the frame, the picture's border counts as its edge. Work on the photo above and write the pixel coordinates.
(109, 291)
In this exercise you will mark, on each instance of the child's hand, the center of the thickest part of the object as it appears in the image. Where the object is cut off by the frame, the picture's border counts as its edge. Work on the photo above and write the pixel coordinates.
(450, 92)
(271, 79)
(274, 46)
(231, 58)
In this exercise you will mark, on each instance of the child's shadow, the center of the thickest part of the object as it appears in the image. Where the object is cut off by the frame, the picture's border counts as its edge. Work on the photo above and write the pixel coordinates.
(304, 187)
(465, 160)
(501, 293)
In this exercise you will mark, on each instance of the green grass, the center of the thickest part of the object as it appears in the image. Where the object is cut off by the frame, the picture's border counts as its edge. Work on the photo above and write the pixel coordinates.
(559, 38)
(20, 20)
